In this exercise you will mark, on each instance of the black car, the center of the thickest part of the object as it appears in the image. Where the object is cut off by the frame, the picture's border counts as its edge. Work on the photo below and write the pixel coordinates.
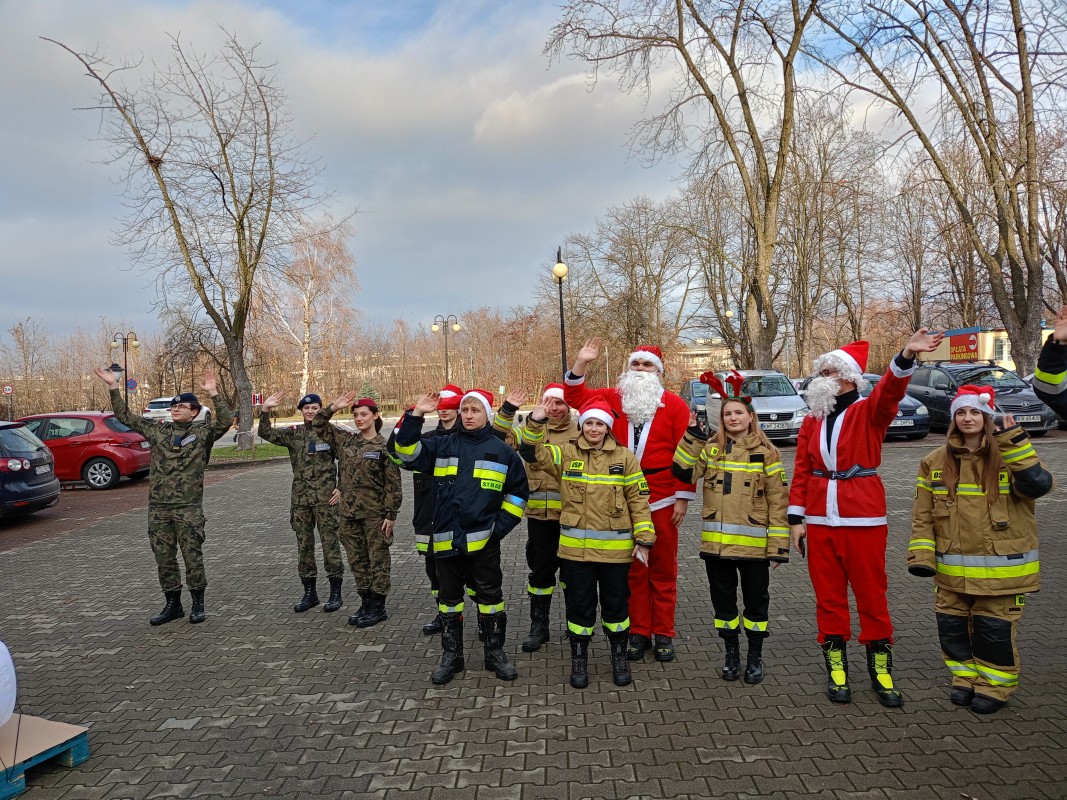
(28, 480)
(912, 420)
(695, 395)
(935, 384)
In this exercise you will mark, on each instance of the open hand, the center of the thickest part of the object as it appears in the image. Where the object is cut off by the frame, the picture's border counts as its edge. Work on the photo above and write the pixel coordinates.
(922, 341)
(589, 353)
(539, 413)
(425, 404)
(344, 400)
(517, 397)
(1059, 332)
(107, 376)
(272, 402)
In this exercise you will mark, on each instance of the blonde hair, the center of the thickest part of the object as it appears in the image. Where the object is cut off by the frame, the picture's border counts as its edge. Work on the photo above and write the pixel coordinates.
(753, 427)
(994, 464)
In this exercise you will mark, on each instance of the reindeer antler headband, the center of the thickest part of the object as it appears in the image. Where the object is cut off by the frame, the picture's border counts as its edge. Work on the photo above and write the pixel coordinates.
(735, 379)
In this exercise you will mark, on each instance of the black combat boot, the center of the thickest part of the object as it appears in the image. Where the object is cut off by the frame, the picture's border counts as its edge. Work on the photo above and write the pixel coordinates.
(580, 661)
(663, 648)
(620, 665)
(731, 666)
(496, 660)
(375, 611)
(637, 646)
(335, 600)
(433, 626)
(197, 614)
(310, 598)
(452, 646)
(364, 596)
(880, 668)
(983, 704)
(836, 655)
(754, 666)
(172, 610)
(540, 605)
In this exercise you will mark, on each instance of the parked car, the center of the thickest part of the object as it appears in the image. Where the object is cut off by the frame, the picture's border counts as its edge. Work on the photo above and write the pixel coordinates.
(935, 384)
(159, 409)
(779, 409)
(695, 395)
(913, 418)
(91, 446)
(27, 476)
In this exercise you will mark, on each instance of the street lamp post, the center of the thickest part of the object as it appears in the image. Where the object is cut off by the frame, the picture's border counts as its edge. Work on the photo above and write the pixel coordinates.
(559, 272)
(125, 342)
(443, 324)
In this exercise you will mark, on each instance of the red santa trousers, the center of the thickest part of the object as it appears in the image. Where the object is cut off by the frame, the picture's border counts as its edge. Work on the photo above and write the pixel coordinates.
(654, 589)
(843, 556)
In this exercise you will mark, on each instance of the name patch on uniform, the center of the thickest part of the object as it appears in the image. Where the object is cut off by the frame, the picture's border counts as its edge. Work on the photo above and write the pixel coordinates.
(320, 446)
(642, 486)
(375, 454)
(578, 465)
(713, 450)
(495, 486)
(188, 440)
(615, 469)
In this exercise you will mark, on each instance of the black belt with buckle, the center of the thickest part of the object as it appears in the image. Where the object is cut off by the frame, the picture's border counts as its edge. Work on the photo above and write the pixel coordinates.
(855, 471)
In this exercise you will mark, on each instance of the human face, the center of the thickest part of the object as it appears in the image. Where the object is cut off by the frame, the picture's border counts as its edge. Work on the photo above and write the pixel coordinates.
(594, 431)
(969, 421)
(642, 365)
(473, 415)
(309, 411)
(736, 418)
(448, 416)
(363, 418)
(183, 412)
(556, 408)
(842, 385)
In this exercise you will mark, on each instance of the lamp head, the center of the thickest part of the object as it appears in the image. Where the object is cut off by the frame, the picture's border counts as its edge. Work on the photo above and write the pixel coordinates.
(435, 327)
(455, 327)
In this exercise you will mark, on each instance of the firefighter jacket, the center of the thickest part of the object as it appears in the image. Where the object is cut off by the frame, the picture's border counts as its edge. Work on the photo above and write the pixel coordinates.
(368, 479)
(966, 544)
(545, 499)
(745, 496)
(1050, 379)
(480, 487)
(422, 488)
(604, 495)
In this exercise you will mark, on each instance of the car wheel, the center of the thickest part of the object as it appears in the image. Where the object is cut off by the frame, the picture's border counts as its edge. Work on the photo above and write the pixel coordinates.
(1037, 433)
(100, 473)
(917, 436)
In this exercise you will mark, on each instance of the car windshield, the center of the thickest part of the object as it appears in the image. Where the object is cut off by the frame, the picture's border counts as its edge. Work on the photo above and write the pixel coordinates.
(117, 426)
(994, 377)
(870, 386)
(700, 390)
(767, 386)
(155, 405)
(19, 440)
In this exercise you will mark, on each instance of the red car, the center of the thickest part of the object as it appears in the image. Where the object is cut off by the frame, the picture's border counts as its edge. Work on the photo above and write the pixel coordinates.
(91, 446)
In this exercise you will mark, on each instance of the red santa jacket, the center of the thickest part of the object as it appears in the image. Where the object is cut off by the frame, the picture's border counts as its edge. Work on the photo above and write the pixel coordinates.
(659, 438)
(856, 440)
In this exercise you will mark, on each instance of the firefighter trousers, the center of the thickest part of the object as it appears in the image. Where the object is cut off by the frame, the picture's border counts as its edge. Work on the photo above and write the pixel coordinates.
(977, 636)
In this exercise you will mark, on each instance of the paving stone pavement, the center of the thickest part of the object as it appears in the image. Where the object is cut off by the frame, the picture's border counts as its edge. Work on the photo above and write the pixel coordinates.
(262, 702)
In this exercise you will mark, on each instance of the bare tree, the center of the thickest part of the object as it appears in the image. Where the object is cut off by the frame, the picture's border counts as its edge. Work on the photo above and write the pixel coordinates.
(214, 180)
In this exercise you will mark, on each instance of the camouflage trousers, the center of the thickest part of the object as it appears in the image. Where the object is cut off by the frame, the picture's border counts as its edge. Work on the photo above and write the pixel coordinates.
(171, 527)
(368, 553)
(304, 519)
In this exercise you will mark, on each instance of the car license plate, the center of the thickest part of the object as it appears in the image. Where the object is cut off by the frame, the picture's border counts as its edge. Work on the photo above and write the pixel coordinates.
(1028, 418)
(145, 445)
(774, 426)
(901, 423)
(44, 469)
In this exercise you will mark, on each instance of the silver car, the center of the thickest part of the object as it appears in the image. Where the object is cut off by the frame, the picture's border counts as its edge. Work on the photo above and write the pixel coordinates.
(778, 407)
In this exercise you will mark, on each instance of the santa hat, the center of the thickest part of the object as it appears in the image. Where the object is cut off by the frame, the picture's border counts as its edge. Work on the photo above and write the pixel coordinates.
(971, 396)
(596, 409)
(450, 397)
(553, 390)
(482, 396)
(647, 352)
(850, 361)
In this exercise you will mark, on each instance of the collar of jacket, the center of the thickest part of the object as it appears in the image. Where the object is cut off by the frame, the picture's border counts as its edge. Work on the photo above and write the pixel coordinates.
(957, 448)
(479, 435)
(749, 441)
(455, 423)
(561, 424)
(609, 443)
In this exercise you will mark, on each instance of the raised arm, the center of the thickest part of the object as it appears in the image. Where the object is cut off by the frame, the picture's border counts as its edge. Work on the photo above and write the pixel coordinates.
(122, 412)
(532, 447)
(222, 419)
(266, 431)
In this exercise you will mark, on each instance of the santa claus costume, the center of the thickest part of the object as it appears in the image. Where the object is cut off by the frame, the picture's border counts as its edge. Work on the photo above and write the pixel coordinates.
(650, 422)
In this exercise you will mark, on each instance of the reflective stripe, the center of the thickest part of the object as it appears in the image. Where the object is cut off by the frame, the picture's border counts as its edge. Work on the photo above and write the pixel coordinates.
(476, 540)
(531, 436)
(535, 590)
(442, 542)
(1051, 378)
(491, 470)
(616, 627)
(554, 451)
(579, 630)
(752, 625)
(728, 624)
(1018, 453)
(997, 677)
(513, 505)
(682, 454)
(495, 608)
(990, 567)
(775, 468)
(471, 592)
(407, 452)
(741, 535)
(433, 593)
(450, 609)
(921, 544)
(551, 500)
(962, 669)
(443, 467)
(754, 467)
(642, 528)
(595, 480)
(595, 540)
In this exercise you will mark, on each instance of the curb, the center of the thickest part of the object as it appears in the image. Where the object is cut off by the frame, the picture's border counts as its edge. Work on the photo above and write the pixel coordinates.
(235, 464)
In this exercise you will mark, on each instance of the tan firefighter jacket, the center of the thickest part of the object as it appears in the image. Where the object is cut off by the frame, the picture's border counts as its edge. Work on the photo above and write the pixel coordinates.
(746, 495)
(545, 500)
(968, 545)
(604, 495)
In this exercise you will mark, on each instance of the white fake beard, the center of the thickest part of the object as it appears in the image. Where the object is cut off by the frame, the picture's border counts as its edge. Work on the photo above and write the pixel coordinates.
(640, 392)
(821, 396)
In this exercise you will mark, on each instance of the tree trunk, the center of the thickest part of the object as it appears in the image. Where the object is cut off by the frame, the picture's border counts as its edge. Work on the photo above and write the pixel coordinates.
(243, 387)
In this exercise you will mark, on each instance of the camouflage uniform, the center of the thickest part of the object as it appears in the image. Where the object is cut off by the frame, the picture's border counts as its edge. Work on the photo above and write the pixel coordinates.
(180, 452)
(314, 479)
(370, 493)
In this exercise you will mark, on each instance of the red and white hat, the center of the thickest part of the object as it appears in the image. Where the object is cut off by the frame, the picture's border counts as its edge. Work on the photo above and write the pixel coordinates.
(451, 396)
(647, 352)
(482, 396)
(971, 396)
(553, 390)
(596, 409)
(850, 361)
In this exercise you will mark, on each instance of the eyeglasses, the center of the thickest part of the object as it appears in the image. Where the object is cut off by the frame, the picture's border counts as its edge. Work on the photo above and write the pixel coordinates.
(184, 406)
(829, 373)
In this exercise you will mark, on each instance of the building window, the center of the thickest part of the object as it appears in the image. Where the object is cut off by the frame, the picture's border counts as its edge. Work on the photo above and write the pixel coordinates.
(1001, 349)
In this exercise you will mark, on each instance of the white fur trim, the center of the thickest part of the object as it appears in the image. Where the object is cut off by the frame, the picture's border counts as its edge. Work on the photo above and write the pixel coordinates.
(901, 373)
(596, 413)
(448, 393)
(979, 401)
(573, 380)
(481, 399)
(796, 511)
(644, 355)
(839, 359)
(557, 393)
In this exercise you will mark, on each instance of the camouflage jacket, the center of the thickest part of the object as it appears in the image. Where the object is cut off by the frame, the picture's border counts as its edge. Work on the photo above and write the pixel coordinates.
(314, 470)
(369, 478)
(180, 451)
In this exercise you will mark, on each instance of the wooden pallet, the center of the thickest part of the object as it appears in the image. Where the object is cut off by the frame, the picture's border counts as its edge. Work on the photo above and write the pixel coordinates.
(38, 741)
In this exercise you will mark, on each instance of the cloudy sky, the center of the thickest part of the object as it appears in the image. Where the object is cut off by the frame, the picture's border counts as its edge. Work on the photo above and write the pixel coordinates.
(468, 155)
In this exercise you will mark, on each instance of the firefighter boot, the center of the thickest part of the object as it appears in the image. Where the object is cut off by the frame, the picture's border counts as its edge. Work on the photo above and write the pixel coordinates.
(452, 649)
(310, 598)
(540, 604)
(731, 666)
(754, 667)
(496, 660)
(433, 626)
(880, 668)
(335, 601)
(375, 611)
(197, 613)
(637, 647)
(620, 665)
(836, 655)
(364, 596)
(172, 610)
(580, 661)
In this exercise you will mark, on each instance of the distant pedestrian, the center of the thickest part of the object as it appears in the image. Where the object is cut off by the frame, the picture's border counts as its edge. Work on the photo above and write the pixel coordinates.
(313, 501)
(180, 452)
